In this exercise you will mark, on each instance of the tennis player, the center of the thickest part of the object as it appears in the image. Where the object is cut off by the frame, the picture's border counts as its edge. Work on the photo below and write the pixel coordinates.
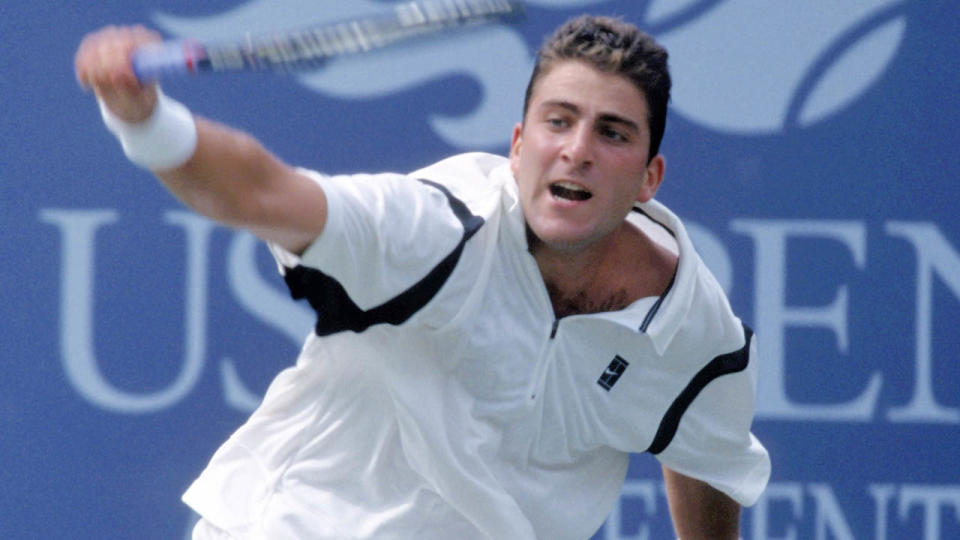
(495, 335)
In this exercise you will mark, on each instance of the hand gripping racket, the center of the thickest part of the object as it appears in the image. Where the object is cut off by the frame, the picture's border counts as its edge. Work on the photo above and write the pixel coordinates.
(310, 47)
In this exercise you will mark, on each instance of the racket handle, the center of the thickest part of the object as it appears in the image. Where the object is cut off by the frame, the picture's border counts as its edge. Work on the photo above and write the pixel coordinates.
(168, 58)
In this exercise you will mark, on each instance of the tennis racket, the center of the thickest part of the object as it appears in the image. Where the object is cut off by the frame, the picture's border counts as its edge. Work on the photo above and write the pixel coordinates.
(310, 47)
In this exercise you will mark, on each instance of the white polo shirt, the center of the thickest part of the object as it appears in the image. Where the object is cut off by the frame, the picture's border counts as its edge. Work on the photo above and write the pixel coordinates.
(440, 398)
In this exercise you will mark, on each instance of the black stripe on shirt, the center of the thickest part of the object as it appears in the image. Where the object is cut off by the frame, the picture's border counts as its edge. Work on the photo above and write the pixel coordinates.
(724, 364)
(656, 305)
(643, 212)
(337, 312)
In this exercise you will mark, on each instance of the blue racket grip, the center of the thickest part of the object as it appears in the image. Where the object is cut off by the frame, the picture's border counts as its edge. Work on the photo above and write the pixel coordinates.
(167, 58)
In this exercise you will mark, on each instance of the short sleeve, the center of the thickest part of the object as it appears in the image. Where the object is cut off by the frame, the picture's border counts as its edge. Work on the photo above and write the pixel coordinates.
(713, 442)
(383, 234)
(388, 247)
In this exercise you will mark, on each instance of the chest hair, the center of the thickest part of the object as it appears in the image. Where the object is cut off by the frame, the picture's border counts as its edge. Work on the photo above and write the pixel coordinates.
(582, 303)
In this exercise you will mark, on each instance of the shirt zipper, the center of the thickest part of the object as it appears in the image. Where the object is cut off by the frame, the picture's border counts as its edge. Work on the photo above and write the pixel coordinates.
(543, 362)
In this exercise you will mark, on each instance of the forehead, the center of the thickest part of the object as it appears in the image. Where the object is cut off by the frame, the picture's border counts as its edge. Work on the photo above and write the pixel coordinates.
(590, 90)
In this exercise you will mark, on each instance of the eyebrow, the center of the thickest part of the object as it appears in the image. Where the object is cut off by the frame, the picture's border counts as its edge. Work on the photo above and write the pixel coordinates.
(610, 118)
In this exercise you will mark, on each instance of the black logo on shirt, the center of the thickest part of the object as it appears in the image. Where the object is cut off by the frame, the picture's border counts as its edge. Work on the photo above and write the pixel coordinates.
(613, 372)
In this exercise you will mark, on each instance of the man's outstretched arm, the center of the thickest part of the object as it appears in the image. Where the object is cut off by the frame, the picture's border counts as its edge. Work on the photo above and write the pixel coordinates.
(229, 176)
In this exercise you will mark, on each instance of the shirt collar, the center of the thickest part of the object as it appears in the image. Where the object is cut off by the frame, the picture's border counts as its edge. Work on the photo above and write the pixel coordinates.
(664, 319)
(660, 317)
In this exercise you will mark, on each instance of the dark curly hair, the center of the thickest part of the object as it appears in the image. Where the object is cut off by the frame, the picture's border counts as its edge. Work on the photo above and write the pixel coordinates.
(612, 46)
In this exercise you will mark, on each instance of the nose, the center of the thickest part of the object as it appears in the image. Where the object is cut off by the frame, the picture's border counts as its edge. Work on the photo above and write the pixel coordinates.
(578, 148)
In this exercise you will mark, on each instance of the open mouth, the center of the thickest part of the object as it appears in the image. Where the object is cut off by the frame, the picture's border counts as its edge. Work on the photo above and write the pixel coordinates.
(569, 191)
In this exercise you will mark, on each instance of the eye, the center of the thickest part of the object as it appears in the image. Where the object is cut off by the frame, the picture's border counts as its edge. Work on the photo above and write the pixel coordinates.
(612, 134)
(557, 122)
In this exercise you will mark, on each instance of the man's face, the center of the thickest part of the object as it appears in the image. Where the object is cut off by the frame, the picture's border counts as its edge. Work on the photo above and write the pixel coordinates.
(580, 156)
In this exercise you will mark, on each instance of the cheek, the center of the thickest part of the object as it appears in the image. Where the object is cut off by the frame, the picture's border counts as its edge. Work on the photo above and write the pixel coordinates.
(528, 167)
(538, 148)
(630, 189)
(639, 188)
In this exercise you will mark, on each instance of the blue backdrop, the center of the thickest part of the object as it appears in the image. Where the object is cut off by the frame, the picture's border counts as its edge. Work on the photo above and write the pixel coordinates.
(812, 146)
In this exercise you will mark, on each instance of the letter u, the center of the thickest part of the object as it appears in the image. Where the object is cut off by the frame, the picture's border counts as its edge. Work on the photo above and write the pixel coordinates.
(78, 230)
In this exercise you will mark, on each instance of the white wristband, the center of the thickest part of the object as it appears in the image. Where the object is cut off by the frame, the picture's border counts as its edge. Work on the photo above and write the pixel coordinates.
(163, 141)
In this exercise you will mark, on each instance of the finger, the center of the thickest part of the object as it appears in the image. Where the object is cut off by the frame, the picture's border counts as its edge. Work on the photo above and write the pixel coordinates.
(84, 58)
(93, 58)
(113, 57)
(104, 57)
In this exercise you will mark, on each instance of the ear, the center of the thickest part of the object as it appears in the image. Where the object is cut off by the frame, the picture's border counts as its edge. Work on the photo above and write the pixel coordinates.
(516, 141)
(653, 178)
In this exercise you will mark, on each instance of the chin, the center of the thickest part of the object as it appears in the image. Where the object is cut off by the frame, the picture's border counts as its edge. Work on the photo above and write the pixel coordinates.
(554, 241)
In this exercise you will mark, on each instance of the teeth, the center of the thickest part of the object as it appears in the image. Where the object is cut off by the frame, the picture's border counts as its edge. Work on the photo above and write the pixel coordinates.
(570, 191)
(569, 185)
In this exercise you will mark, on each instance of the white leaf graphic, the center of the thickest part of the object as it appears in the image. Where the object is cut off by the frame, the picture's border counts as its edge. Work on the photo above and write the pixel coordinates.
(853, 72)
(739, 65)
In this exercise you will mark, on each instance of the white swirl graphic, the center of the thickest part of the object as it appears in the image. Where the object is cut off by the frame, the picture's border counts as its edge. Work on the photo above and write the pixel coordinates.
(759, 67)
(740, 66)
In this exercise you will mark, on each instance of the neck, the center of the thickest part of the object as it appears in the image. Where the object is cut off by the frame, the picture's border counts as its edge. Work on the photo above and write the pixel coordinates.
(582, 281)
(608, 276)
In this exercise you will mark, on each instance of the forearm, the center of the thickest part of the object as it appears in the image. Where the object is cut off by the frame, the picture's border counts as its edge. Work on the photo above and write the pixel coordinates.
(699, 511)
(217, 171)
(223, 177)
(233, 179)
